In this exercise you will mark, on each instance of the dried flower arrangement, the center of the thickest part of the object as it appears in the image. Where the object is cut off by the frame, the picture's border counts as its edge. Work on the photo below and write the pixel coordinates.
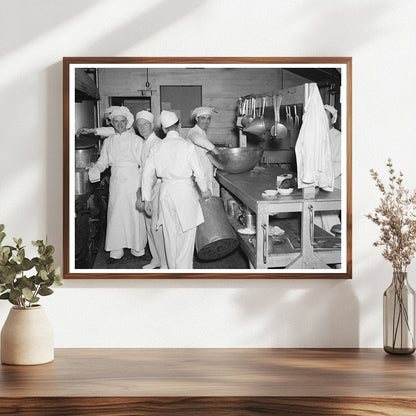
(396, 216)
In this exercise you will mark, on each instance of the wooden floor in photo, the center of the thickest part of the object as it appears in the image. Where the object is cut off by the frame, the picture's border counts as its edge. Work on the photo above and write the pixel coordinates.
(235, 260)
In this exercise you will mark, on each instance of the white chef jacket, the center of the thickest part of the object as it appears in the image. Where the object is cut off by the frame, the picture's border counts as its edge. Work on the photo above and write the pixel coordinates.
(151, 141)
(147, 145)
(202, 144)
(108, 131)
(104, 131)
(313, 152)
(125, 225)
(174, 160)
(154, 235)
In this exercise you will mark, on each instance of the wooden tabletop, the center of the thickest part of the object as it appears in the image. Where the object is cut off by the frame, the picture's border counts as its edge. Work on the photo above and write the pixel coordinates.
(196, 381)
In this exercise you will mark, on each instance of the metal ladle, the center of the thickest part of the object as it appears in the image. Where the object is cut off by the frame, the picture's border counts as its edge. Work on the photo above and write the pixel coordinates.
(259, 125)
(278, 130)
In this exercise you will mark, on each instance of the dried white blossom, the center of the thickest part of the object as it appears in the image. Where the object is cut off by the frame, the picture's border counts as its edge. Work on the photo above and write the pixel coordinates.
(396, 216)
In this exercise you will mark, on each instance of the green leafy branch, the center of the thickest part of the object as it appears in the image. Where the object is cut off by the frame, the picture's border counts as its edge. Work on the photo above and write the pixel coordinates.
(15, 285)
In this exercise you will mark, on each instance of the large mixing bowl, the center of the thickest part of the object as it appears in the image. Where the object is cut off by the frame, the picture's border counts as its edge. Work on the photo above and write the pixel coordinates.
(236, 159)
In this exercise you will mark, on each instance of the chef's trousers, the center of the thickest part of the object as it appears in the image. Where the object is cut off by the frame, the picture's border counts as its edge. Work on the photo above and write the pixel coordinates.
(179, 245)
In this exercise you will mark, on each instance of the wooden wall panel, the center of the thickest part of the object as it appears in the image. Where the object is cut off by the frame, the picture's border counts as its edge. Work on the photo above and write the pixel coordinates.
(221, 88)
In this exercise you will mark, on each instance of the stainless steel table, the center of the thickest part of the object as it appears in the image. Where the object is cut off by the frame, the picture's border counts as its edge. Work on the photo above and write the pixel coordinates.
(248, 187)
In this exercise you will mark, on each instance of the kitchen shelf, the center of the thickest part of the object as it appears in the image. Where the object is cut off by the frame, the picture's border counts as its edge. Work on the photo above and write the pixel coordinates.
(221, 382)
(248, 188)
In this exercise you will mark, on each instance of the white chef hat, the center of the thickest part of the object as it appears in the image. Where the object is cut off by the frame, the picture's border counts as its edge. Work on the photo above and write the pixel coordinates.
(146, 115)
(109, 110)
(333, 111)
(168, 118)
(203, 111)
(125, 112)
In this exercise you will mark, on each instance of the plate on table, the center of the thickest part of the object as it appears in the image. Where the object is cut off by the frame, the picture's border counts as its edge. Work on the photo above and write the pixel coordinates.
(246, 231)
(269, 194)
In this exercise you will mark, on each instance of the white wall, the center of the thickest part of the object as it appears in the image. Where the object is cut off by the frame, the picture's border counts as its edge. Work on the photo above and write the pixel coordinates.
(35, 35)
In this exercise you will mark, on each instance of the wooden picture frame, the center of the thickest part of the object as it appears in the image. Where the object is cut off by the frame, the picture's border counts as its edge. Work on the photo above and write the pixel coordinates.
(305, 252)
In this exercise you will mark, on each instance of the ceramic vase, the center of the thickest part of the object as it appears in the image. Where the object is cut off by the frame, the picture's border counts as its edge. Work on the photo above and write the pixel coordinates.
(399, 316)
(27, 337)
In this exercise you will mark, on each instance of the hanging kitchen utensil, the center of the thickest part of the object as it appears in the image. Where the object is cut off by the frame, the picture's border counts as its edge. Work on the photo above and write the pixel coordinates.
(290, 118)
(247, 118)
(242, 113)
(278, 130)
(274, 129)
(258, 126)
(240, 106)
(261, 110)
(296, 117)
(287, 116)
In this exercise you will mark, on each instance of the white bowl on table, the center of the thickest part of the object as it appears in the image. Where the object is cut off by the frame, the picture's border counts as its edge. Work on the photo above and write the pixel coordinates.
(285, 191)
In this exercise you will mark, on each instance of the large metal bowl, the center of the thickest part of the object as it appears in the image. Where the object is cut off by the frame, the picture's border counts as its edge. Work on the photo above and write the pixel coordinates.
(236, 159)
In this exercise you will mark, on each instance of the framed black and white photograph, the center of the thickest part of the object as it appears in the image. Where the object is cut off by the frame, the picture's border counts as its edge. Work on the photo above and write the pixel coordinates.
(207, 167)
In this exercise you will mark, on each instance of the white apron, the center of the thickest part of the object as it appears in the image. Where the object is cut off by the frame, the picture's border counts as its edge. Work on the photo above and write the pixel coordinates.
(185, 198)
(175, 161)
(125, 225)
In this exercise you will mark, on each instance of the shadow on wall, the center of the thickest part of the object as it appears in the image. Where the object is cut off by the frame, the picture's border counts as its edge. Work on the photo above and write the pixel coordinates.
(49, 15)
(349, 20)
(140, 27)
(45, 15)
(301, 314)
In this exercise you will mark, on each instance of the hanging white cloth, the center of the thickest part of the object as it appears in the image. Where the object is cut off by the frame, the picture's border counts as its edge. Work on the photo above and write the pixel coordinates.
(313, 151)
(336, 151)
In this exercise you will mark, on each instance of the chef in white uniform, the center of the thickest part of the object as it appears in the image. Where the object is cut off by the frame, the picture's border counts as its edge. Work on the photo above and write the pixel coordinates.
(198, 136)
(335, 143)
(174, 160)
(145, 126)
(122, 151)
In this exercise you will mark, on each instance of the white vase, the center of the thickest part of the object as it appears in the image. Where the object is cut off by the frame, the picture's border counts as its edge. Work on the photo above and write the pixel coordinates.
(27, 337)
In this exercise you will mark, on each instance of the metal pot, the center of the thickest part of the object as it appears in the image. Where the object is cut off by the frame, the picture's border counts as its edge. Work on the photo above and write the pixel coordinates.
(86, 154)
(233, 209)
(236, 159)
(85, 157)
(215, 237)
(82, 183)
(250, 219)
(86, 151)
